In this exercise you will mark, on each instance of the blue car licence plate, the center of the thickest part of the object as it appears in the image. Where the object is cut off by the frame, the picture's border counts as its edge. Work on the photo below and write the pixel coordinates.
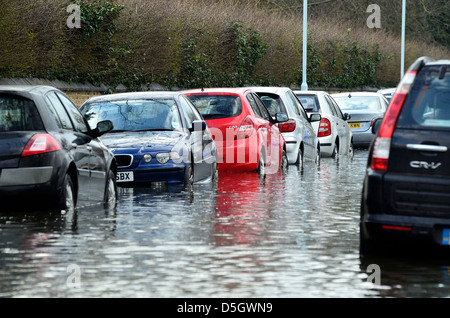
(445, 237)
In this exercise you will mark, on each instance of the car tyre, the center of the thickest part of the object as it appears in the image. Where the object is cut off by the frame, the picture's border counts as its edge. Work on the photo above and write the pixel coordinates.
(351, 151)
(284, 164)
(67, 197)
(335, 153)
(299, 161)
(262, 165)
(317, 161)
(111, 196)
(189, 176)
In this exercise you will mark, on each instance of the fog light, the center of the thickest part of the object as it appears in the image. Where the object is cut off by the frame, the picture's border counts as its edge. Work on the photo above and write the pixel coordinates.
(147, 158)
(163, 157)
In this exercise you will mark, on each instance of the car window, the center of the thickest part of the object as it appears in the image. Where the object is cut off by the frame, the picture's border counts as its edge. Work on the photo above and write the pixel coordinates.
(217, 106)
(152, 114)
(77, 119)
(262, 108)
(297, 106)
(64, 118)
(428, 103)
(188, 113)
(368, 103)
(336, 108)
(309, 102)
(253, 105)
(273, 103)
(18, 114)
(332, 106)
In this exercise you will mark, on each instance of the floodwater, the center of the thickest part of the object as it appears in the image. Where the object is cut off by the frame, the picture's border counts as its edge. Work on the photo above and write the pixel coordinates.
(293, 235)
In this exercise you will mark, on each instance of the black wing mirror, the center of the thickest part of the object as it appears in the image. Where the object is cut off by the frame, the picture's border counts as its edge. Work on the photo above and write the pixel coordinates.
(103, 127)
(376, 125)
(315, 117)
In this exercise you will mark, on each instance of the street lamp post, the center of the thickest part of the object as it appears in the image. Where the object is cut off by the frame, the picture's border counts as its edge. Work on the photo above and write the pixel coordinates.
(402, 63)
(305, 40)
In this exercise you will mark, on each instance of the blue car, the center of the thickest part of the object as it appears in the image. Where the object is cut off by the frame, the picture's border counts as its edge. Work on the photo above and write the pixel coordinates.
(158, 137)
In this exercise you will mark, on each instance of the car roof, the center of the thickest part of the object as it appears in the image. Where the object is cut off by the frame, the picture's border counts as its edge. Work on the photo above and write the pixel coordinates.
(310, 92)
(356, 94)
(235, 90)
(269, 89)
(135, 95)
(25, 88)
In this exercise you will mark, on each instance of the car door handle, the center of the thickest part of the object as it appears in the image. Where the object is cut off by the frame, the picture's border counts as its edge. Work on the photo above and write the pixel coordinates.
(429, 148)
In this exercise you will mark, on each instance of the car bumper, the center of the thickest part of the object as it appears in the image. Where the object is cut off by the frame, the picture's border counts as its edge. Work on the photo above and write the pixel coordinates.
(362, 139)
(326, 146)
(406, 229)
(33, 187)
(170, 173)
(242, 155)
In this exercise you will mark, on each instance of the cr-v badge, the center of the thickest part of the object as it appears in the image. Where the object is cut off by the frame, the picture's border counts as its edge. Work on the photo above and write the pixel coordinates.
(424, 165)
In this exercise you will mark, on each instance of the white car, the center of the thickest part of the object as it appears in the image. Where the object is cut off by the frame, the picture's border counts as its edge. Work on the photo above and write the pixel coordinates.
(333, 131)
(301, 138)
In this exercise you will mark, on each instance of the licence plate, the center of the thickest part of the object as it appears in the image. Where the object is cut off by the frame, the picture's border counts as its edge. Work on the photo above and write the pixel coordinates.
(445, 237)
(354, 125)
(125, 176)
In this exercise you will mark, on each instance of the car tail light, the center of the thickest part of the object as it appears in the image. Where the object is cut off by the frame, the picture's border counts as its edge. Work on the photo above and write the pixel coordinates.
(40, 143)
(288, 126)
(382, 143)
(245, 129)
(324, 128)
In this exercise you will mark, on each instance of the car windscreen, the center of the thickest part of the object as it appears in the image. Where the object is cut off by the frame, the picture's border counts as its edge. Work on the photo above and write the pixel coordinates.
(135, 115)
(358, 103)
(217, 106)
(18, 114)
(273, 103)
(309, 103)
(428, 102)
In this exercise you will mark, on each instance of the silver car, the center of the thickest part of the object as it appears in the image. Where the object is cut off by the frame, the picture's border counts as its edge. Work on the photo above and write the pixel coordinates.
(333, 131)
(301, 139)
(364, 108)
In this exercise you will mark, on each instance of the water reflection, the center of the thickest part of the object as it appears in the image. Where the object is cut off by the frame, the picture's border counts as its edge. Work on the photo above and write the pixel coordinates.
(287, 235)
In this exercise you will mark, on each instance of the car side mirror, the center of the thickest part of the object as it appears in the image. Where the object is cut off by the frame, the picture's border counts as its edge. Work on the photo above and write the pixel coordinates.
(103, 127)
(315, 117)
(376, 125)
(281, 117)
(347, 116)
(198, 125)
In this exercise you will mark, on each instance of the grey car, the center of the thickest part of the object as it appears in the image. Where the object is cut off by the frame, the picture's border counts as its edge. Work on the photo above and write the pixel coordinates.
(364, 108)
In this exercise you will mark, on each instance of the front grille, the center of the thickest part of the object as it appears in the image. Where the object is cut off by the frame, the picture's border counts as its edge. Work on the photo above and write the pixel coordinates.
(123, 161)
(422, 199)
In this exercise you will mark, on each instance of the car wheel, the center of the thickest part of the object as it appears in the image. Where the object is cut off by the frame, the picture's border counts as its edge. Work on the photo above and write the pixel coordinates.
(189, 176)
(366, 246)
(351, 151)
(284, 164)
(299, 161)
(335, 153)
(110, 199)
(67, 198)
(262, 165)
(317, 157)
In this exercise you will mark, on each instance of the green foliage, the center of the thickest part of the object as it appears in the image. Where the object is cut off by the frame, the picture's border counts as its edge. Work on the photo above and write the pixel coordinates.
(99, 17)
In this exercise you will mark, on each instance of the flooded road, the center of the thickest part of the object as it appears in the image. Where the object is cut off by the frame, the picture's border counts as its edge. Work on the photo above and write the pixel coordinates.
(287, 236)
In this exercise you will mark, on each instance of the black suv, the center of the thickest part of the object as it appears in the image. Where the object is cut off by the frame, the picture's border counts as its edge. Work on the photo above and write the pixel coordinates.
(406, 191)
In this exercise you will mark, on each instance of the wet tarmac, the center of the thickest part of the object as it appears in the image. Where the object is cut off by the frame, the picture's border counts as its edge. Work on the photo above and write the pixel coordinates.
(292, 235)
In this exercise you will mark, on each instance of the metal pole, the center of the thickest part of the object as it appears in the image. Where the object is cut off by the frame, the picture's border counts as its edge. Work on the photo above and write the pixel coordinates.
(402, 66)
(305, 41)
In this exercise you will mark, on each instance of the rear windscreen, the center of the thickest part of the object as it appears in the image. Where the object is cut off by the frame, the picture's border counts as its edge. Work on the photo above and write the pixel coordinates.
(428, 103)
(217, 106)
(309, 103)
(18, 114)
(364, 103)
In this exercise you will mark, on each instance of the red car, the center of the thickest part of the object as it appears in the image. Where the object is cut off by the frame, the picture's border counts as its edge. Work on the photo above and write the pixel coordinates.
(246, 135)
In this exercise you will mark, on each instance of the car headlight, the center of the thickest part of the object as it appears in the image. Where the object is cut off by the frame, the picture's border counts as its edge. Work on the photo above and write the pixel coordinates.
(163, 157)
(147, 158)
